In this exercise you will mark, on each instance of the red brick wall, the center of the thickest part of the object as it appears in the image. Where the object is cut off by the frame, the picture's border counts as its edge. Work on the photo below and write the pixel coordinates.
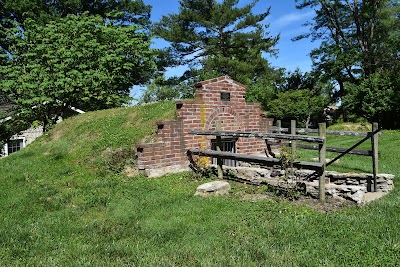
(203, 113)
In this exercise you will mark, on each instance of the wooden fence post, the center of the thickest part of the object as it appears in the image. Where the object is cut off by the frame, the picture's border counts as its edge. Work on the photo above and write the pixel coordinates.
(293, 132)
(322, 159)
(279, 125)
(219, 148)
(374, 143)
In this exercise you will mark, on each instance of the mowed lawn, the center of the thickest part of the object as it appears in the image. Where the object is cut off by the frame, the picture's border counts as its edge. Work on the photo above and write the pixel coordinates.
(65, 201)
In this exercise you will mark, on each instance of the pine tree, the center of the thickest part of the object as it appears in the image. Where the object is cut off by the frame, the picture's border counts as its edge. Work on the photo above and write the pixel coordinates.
(219, 38)
(359, 37)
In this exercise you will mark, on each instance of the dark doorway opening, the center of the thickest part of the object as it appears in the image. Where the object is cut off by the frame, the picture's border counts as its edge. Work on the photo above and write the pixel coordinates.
(228, 145)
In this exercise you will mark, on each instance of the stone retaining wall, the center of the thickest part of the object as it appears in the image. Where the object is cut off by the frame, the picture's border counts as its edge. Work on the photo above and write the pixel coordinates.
(351, 186)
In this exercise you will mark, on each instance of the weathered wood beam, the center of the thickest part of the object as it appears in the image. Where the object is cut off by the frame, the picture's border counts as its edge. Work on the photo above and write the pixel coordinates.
(276, 129)
(254, 159)
(354, 146)
(322, 159)
(235, 156)
(305, 138)
(359, 152)
(315, 166)
(338, 150)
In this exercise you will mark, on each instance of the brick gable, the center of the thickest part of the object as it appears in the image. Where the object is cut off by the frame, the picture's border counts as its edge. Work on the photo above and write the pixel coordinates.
(217, 101)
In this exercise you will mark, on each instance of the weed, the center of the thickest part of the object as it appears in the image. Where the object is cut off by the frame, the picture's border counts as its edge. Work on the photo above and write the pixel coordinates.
(118, 159)
(289, 188)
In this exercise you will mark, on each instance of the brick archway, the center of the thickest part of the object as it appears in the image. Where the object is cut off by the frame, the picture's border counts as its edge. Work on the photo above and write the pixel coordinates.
(229, 120)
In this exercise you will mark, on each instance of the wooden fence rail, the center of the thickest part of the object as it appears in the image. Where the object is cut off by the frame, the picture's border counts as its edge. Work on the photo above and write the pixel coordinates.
(305, 138)
(262, 160)
(359, 152)
(317, 166)
(276, 129)
(373, 136)
(278, 133)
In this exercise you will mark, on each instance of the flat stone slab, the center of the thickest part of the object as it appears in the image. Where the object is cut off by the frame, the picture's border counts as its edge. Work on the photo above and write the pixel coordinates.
(371, 196)
(152, 173)
(213, 188)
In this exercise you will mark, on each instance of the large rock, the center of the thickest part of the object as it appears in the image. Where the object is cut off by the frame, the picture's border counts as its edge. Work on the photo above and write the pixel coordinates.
(213, 188)
(357, 197)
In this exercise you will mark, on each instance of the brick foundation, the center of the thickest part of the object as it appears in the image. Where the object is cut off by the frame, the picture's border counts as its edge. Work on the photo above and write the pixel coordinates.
(219, 101)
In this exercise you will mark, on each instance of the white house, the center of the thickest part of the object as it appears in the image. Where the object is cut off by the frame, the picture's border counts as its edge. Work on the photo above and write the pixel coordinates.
(24, 138)
(21, 140)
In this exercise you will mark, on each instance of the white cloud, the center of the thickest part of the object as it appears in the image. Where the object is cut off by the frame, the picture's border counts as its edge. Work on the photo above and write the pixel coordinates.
(293, 17)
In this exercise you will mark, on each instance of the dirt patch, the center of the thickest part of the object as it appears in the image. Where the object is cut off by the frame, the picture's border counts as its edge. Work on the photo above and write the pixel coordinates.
(131, 171)
(332, 204)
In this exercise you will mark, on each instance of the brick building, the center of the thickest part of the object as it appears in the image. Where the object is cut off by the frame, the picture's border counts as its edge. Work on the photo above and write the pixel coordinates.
(219, 103)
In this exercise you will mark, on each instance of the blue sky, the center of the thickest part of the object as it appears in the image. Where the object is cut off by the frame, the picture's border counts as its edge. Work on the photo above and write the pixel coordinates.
(284, 19)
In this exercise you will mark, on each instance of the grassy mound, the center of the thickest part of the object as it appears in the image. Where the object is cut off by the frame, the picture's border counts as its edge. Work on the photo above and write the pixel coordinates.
(92, 144)
(64, 201)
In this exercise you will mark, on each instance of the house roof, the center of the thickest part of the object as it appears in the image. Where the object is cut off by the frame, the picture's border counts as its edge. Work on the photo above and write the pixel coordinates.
(5, 108)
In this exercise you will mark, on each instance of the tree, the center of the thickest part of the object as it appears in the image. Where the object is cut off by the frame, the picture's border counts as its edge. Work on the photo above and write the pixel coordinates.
(84, 61)
(264, 89)
(42, 11)
(218, 38)
(301, 105)
(359, 38)
(161, 89)
(132, 11)
(299, 96)
(376, 98)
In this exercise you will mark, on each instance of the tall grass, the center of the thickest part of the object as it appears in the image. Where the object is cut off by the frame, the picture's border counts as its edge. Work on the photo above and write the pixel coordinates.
(62, 205)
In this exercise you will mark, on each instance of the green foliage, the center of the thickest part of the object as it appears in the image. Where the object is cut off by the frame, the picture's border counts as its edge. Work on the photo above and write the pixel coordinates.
(44, 11)
(83, 61)
(301, 105)
(299, 96)
(219, 37)
(161, 89)
(134, 11)
(357, 34)
(376, 98)
(289, 188)
(264, 89)
(358, 38)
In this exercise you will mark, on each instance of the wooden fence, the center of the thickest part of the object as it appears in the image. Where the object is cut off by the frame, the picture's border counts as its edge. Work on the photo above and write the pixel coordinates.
(373, 136)
(319, 167)
(293, 134)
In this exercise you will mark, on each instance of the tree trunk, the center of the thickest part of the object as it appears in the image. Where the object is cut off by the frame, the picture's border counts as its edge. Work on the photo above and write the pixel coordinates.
(342, 93)
(307, 122)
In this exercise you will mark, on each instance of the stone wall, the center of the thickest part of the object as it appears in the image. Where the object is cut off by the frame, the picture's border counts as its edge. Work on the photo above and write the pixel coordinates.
(351, 186)
(220, 101)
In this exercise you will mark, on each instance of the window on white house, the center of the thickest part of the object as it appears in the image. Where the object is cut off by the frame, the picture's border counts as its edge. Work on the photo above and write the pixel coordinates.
(14, 145)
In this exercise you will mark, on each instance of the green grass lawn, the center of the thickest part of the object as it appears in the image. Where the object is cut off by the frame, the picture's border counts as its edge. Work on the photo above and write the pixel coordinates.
(65, 202)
